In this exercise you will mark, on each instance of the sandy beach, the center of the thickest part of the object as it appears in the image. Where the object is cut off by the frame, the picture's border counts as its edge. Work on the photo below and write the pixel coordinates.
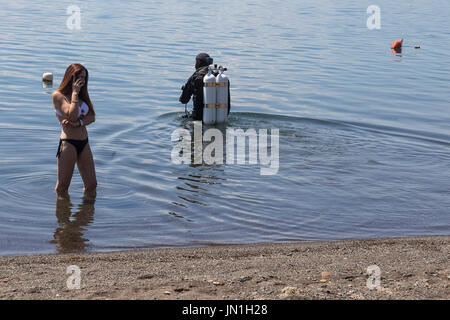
(410, 268)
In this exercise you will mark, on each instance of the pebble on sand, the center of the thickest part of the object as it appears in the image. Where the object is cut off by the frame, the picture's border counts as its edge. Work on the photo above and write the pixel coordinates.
(288, 291)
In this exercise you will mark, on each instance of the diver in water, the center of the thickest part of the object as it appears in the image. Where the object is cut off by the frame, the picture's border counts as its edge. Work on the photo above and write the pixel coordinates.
(194, 86)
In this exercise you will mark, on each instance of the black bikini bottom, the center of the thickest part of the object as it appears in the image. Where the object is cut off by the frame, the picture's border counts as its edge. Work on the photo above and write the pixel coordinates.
(78, 144)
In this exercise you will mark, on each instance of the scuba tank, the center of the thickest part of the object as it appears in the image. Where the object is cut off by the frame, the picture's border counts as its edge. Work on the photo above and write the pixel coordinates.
(209, 98)
(222, 96)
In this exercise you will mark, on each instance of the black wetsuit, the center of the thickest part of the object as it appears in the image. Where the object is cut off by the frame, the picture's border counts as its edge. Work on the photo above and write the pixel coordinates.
(194, 88)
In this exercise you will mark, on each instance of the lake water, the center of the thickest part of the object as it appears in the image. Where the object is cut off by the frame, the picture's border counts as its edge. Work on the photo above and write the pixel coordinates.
(364, 135)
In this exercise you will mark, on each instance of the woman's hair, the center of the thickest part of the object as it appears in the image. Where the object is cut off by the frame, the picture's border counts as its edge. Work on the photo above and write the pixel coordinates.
(66, 84)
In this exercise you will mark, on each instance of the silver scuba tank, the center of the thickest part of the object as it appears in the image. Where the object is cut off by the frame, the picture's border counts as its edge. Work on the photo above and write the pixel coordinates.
(209, 98)
(222, 82)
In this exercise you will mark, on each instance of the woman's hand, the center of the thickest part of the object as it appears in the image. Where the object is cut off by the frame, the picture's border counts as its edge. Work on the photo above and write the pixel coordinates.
(66, 123)
(77, 85)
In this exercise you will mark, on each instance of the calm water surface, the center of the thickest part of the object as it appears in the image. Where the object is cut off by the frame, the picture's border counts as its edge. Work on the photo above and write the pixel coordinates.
(364, 135)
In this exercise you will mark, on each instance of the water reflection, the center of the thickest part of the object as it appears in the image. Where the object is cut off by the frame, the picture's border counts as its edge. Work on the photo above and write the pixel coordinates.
(195, 183)
(69, 235)
(47, 84)
(200, 141)
(397, 52)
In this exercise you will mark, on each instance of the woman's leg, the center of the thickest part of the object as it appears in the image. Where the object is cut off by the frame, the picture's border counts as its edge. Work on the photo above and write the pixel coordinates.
(66, 164)
(86, 168)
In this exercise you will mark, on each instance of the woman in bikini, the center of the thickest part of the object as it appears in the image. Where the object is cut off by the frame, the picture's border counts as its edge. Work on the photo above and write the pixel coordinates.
(74, 111)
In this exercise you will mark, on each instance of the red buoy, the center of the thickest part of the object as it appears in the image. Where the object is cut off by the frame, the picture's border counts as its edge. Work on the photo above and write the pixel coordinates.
(397, 46)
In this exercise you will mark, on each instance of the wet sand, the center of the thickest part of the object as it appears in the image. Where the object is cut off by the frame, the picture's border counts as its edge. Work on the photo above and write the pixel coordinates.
(411, 268)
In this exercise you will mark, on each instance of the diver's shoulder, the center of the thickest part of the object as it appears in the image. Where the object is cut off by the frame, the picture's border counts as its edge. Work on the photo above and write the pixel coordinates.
(200, 73)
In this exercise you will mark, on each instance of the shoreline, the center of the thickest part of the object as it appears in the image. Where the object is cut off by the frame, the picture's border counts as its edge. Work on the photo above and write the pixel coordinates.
(410, 268)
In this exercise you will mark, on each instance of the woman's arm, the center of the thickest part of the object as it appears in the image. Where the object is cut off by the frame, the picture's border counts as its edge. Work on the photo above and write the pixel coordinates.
(58, 101)
(73, 109)
(88, 119)
(85, 121)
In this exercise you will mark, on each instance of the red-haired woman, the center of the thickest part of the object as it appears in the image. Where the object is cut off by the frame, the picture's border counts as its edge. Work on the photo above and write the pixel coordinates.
(74, 111)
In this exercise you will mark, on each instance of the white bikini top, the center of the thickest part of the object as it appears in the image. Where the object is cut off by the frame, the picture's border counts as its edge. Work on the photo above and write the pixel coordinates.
(82, 110)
